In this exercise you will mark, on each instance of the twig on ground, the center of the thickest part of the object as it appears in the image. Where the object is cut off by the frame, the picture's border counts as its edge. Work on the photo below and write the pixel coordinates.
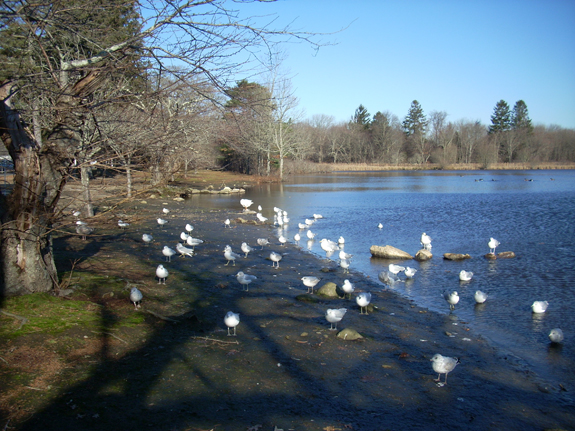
(22, 319)
(217, 341)
(109, 333)
(159, 316)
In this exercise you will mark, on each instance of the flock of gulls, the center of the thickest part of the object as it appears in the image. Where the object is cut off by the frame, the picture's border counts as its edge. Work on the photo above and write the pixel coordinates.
(186, 248)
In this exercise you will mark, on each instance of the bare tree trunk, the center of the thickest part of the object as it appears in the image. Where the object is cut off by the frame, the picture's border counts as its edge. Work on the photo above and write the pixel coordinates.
(129, 185)
(87, 198)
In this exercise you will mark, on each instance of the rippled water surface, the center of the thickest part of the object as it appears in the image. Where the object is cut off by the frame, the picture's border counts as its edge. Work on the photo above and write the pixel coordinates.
(531, 213)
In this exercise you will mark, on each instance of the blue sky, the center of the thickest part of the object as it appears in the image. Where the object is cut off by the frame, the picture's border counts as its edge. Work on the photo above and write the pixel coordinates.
(459, 56)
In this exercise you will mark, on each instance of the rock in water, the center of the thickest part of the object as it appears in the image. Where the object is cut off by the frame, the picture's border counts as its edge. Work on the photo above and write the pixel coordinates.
(456, 256)
(329, 289)
(389, 252)
(423, 255)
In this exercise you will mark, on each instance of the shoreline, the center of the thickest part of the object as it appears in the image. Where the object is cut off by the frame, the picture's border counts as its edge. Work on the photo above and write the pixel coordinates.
(285, 369)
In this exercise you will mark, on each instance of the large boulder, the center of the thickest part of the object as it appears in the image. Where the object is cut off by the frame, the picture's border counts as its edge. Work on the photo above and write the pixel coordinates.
(389, 252)
(423, 255)
(329, 289)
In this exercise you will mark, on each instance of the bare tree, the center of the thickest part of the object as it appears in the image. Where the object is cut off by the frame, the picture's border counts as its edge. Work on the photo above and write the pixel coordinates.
(54, 85)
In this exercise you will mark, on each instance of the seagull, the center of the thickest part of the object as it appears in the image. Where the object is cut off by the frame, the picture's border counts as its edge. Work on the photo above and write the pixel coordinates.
(246, 203)
(245, 279)
(227, 223)
(443, 365)
(136, 297)
(465, 275)
(76, 213)
(347, 287)
(184, 251)
(262, 242)
(309, 222)
(539, 306)
(317, 216)
(425, 241)
(161, 221)
(246, 248)
(328, 246)
(344, 255)
(83, 229)
(80, 222)
(184, 236)
(275, 257)
(168, 252)
(147, 238)
(193, 242)
(302, 225)
(165, 210)
(480, 297)
(387, 278)
(189, 228)
(232, 320)
(341, 240)
(261, 217)
(380, 226)
(334, 315)
(282, 239)
(493, 244)
(395, 269)
(344, 263)
(410, 272)
(230, 255)
(556, 335)
(363, 300)
(123, 224)
(259, 208)
(162, 274)
(310, 234)
(452, 298)
(297, 238)
(310, 282)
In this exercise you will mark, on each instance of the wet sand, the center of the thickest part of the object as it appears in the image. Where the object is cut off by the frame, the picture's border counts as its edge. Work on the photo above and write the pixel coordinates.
(285, 369)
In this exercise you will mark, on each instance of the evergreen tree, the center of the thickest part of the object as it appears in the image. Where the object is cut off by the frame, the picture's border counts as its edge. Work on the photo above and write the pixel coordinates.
(361, 117)
(520, 117)
(415, 123)
(501, 118)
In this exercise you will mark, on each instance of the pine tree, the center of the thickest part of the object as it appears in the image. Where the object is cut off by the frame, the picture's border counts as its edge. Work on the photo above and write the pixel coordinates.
(361, 117)
(501, 118)
(415, 123)
(520, 117)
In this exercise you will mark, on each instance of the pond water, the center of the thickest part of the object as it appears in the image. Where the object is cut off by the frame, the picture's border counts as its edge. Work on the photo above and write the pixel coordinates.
(531, 213)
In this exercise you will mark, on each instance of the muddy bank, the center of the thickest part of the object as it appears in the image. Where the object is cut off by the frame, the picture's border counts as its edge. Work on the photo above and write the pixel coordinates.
(285, 369)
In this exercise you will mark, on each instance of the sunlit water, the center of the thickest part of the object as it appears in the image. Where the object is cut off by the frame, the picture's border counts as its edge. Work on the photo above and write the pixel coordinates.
(531, 213)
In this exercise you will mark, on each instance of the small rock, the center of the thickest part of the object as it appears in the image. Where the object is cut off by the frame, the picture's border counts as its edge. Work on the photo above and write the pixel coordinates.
(423, 255)
(349, 334)
(506, 255)
(179, 199)
(389, 252)
(65, 292)
(329, 289)
(456, 256)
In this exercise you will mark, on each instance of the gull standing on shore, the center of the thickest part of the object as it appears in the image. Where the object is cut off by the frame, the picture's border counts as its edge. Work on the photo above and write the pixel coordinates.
(443, 365)
(168, 252)
(261, 218)
(310, 282)
(262, 242)
(184, 251)
(246, 203)
(344, 263)
(347, 288)
(147, 238)
(232, 320)
(227, 223)
(230, 255)
(310, 234)
(136, 297)
(162, 274)
(297, 238)
(275, 258)
(189, 228)
(282, 239)
(192, 242)
(165, 211)
(363, 300)
(83, 230)
(161, 221)
(245, 279)
(246, 248)
(123, 224)
(333, 316)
